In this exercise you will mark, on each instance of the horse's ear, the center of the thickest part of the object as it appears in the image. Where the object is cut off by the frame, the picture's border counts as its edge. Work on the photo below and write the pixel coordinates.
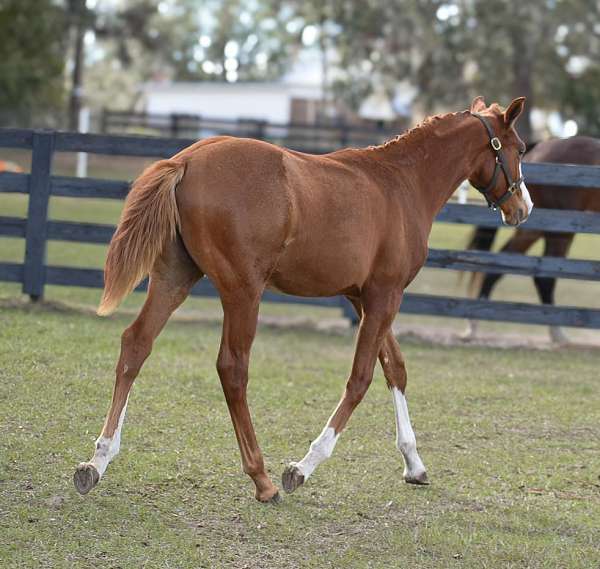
(514, 111)
(478, 104)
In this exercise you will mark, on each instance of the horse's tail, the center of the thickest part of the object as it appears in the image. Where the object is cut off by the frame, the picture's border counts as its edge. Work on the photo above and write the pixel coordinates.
(149, 220)
(481, 239)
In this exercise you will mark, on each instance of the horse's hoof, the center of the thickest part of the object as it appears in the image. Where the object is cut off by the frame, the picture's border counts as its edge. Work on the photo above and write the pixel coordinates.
(419, 479)
(268, 497)
(85, 478)
(466, 336)
(292, 478)
(470, 333)
(558, 337)
(275, 499)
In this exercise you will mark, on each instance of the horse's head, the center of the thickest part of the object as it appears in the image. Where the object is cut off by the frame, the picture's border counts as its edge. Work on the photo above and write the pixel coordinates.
(497, 169)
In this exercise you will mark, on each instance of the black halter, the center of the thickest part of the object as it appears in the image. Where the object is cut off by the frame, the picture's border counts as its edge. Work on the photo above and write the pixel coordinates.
(513, 186)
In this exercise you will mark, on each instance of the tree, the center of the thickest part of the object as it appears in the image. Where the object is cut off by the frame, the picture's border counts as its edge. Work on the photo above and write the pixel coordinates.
(32, 56)
(451, 50)
(526, 48)
(225, 40)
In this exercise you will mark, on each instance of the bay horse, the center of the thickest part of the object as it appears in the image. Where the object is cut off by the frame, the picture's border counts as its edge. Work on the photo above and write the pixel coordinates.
(575, 150)
(251, 215)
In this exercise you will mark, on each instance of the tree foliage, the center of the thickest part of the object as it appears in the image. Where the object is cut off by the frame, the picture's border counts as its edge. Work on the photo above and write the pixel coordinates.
(452, 50)
(32, 59)
(449, 50)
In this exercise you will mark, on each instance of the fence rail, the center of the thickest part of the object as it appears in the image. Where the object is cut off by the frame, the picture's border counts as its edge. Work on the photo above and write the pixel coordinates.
(37, 229)
(317, 137)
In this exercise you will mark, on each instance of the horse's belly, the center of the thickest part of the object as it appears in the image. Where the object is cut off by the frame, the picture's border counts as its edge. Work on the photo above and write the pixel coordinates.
(320, 270)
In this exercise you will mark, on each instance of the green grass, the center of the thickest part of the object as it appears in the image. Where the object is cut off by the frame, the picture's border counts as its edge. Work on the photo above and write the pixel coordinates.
(511, 440)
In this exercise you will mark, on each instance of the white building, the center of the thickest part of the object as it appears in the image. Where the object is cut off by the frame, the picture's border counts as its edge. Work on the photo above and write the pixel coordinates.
(297, 97)
(275, 102)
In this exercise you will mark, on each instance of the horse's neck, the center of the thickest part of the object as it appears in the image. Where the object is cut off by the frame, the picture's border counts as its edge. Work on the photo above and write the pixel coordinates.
(445, 152)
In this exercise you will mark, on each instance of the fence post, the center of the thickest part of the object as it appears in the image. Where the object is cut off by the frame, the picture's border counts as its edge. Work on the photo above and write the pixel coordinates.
(344, 133)
(37, 214)
(104, 114)
(174, 125)
(259, 132)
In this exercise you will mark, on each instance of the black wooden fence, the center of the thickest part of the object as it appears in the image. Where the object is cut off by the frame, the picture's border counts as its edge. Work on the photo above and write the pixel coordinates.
(37, 229)
(313, 138)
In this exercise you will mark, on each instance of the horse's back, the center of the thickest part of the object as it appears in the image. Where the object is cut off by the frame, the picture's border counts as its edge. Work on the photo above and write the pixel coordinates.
(581, 150)
(573, 150)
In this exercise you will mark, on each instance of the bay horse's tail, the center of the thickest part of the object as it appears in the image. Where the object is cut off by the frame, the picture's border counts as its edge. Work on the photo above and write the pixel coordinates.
(482, 239)
(149, 220)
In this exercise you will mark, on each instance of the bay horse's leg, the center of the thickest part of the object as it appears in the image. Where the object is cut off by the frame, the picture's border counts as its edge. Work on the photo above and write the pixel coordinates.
(520, 242)
(240, 314)
(557, 245)
(392, 363)
(171, 279)
(378, 314)
(394, 370)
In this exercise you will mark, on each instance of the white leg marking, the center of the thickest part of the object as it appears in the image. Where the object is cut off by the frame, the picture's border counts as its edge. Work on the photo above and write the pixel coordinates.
(405, 438)
(525, 192)
(320, 449)
(108, 448)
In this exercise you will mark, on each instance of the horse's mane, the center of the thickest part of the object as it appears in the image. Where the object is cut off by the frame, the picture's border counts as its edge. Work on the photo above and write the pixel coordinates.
(419, 130)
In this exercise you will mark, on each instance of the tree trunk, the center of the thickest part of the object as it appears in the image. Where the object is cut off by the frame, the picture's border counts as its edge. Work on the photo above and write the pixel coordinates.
(78, 12)
(522, 63)
(523, 87)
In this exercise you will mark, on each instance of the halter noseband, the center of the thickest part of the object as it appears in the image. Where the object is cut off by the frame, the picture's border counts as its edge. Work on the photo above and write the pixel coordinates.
(513, 185)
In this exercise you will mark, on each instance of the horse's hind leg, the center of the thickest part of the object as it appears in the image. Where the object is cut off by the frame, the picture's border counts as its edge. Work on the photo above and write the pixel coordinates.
(394, 370)
(240, 314)
(171, 279)
(557, 245)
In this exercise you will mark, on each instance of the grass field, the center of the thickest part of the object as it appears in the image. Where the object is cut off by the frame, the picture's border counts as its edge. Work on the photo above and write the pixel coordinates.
(511, 440)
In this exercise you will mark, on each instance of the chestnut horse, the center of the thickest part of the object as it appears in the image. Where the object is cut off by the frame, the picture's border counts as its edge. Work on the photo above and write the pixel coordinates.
(251, 216)
(574, 150)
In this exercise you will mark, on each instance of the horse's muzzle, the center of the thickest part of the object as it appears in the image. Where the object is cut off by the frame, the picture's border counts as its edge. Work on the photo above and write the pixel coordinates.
(521, 216)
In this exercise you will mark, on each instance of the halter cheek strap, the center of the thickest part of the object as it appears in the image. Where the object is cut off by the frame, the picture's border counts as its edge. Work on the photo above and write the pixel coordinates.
(513, 185)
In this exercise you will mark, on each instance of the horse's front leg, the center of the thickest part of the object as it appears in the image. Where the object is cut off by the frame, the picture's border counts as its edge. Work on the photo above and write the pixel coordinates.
(379, 311)
(394, 370)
